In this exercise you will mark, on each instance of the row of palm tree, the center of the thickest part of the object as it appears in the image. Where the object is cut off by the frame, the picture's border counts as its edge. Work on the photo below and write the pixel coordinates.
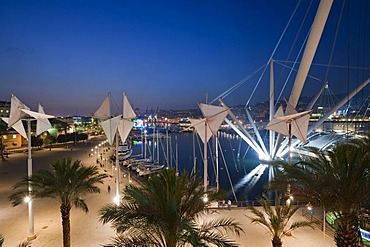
(166, 209)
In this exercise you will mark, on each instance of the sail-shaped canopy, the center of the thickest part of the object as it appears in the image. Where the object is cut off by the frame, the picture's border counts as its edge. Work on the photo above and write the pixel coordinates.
(124, 128)
(298, 121)
(37, 115)
(125, 124)
(18, 126)
(16, 112)
(200, 128)
(110, 127)
(104, 109)
(128, 112)
(42, 124)
(214, 115)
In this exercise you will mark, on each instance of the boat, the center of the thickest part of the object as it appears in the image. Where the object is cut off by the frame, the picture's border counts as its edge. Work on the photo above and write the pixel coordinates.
(124, 151)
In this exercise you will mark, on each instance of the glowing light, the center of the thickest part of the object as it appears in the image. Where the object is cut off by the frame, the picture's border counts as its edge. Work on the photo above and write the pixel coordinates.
(205, 198)
(116, 200)
(263, 156)
(27, 199)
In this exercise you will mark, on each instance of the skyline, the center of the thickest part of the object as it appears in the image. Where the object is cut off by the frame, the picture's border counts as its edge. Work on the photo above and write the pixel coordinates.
(67, 55)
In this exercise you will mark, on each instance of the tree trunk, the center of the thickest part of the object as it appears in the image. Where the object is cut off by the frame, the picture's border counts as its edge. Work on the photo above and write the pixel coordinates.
(276, 242)
(66, 225)
(1, 148)
(347, 233)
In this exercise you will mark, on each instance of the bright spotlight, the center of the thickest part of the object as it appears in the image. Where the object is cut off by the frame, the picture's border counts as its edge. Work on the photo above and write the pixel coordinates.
(205, 198)
(27, 199)
(264, 157)
(116, 200)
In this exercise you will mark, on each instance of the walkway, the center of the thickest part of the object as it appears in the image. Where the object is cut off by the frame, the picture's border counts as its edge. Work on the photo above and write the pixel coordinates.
(86, 230)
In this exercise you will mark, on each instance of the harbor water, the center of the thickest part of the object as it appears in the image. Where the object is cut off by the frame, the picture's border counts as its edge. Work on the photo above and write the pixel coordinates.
(184, 151)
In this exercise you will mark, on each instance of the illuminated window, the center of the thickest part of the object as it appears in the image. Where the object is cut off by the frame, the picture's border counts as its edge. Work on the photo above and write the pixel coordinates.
(5, 137)
(1, 110)
(14, 136)
(7, 111)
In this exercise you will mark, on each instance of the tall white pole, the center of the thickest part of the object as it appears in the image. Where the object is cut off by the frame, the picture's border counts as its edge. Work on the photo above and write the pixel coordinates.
(310, 50)
(167, 153)
(145, 145)
(205, 176)
(194, 157)
(31, 232)
(157, 135)
(117, 199)
(217, 169)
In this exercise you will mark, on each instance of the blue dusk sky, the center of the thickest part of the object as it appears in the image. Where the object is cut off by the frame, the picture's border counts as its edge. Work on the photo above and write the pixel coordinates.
(67, 55)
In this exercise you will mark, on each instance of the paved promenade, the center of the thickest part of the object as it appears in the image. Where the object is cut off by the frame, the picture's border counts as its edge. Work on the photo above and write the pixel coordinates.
(86, 230)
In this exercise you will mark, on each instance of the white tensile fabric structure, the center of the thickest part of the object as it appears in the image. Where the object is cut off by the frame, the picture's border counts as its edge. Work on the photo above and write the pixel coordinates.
(121, 122)
(207, 127)
(200, 126)
(298, 122)
(18, 126)
(42, 123)
(213, 118)
(125, 124)
(110, 128)
(104, 110)
(18, 111)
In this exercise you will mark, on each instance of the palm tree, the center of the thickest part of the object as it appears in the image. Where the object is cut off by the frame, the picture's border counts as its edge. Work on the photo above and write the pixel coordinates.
(340, 181)
(67, 182)
(164, 211)
(276, 218)
(1, 240)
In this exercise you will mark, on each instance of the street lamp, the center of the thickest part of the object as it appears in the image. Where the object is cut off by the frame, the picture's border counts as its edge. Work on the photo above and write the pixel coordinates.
(310, 209)
(289, 200)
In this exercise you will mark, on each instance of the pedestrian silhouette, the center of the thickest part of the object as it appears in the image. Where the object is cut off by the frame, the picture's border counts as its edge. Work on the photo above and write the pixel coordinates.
(108, 189)
(229, 204)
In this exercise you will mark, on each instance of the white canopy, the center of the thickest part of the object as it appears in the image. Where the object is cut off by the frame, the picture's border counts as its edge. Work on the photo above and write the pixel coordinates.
(37, 115)
(200, 126)
(42, 124)
(18, 126)
(16, 113)
(214, 115)
(128, 112)
(110, 127)
(104, 109)
(124, 128)
(298, 121)
(125, 124)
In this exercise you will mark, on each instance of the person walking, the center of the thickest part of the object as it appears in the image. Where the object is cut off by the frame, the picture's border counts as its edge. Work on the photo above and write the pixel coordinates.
(229, 205)
(108, 188)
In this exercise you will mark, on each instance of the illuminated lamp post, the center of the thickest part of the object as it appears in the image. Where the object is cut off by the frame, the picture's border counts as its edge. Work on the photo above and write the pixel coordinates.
(18, 111)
